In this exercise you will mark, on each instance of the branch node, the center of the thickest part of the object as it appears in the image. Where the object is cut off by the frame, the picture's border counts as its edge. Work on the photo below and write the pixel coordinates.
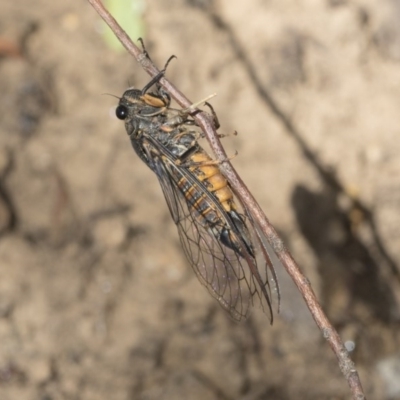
(277, 244)
(326, 332)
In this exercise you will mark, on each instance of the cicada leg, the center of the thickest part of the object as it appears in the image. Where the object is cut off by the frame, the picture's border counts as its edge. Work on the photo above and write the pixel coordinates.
(157, 78)
(146, 54)
(214, 115)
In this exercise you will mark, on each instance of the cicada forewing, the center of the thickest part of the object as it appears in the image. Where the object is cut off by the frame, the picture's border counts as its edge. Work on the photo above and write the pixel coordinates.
(237, 281)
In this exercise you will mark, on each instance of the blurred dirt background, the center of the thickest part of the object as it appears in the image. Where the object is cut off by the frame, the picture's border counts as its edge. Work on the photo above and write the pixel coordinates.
(96, 298)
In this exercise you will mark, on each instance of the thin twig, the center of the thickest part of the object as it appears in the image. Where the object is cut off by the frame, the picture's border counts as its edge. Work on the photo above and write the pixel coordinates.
(330, 334)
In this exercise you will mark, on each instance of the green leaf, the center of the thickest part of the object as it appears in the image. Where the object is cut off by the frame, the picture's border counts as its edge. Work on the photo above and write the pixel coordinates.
(129, 14)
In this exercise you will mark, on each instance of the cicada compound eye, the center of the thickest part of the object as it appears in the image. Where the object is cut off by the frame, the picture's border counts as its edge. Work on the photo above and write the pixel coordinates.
(121, 112)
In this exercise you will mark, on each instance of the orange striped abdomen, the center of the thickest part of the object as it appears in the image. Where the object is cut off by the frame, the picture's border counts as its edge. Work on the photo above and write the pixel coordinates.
(208, 172)
(198, 200)
(206, 209)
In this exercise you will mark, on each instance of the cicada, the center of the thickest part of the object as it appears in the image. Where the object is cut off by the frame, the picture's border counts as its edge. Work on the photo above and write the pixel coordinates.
(221, 243)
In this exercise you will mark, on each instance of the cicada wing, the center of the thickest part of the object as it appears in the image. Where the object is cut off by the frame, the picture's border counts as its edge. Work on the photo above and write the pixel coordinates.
(229, 277)
(267, 262)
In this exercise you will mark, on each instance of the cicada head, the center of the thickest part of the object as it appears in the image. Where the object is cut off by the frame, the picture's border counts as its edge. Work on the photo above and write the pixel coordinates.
(136, 104)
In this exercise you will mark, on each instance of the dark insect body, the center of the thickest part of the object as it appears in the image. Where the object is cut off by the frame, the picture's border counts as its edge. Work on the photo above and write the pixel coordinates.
(218, 240)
